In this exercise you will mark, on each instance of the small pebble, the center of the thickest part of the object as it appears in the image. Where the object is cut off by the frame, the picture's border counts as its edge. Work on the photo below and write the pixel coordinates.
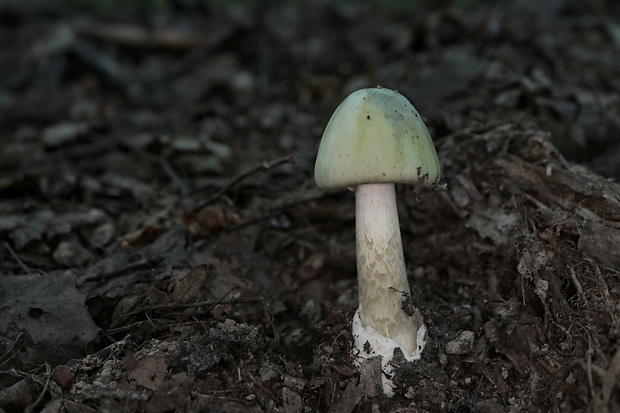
(462, 344)
(63, 376)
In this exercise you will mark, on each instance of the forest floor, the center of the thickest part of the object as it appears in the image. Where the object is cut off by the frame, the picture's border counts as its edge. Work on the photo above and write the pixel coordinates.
(164, 247)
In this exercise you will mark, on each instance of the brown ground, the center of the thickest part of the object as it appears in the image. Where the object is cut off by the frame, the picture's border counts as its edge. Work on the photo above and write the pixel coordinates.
(164, 247)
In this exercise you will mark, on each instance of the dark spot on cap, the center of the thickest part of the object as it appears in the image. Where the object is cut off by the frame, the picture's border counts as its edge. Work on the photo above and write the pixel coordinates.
(367, 116)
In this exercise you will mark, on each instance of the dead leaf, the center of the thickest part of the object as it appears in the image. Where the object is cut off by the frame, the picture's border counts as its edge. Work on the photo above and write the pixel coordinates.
(493, 223)
(141, 236)
(187, 289)
(51, 311)
(210, 220)
(149, 372)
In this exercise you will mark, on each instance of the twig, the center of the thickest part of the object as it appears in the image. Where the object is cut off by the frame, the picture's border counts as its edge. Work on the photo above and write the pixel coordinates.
(589, 353)
(134, 266)
(209, 303)
(16, 257)
(470, 132)
(265, 388)
(576, 282)
(277, 210)
(105, 65)
(192, 59)
(184, 189)
(269, 316)
(15, 346)
(263, 166)
(18, 374)
(139, 37)
(43, 392)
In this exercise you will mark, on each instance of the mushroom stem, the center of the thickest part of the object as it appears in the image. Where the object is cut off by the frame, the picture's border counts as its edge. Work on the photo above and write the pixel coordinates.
(382, 277)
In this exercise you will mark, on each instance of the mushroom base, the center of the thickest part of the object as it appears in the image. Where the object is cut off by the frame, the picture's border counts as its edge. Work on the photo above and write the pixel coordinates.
(370, 343)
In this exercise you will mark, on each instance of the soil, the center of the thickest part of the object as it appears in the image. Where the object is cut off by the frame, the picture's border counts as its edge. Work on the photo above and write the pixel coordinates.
(165, 248)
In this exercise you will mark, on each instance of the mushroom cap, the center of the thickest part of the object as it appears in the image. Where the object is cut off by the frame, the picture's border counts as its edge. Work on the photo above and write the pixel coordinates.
(376, 136)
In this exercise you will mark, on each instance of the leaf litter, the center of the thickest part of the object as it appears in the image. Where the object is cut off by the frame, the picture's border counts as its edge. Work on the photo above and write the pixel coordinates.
(165, 249)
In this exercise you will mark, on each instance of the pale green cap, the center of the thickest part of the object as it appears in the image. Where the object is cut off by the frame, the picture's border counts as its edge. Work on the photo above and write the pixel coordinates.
(376, 136)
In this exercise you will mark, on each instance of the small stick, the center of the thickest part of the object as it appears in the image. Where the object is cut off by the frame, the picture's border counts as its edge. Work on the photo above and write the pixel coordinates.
(261, 167)
(134, 266)
(15, 346)
(208, 303)
(184, 189)
(43, 392)
(573, 277)
(16, 257)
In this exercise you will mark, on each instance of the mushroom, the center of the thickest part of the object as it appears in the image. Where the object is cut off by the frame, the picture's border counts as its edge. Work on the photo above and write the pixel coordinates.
(374, 139)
